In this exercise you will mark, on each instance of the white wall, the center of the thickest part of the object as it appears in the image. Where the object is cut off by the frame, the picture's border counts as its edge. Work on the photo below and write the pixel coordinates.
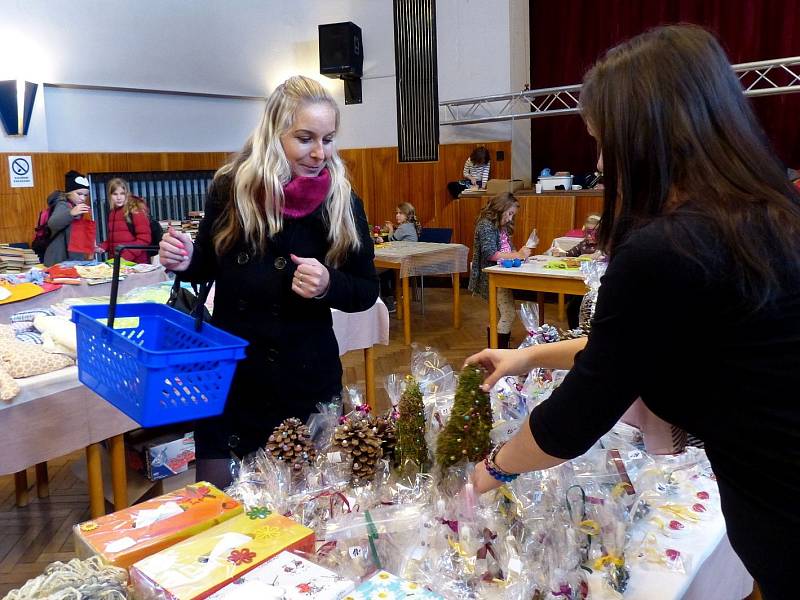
(238, 47)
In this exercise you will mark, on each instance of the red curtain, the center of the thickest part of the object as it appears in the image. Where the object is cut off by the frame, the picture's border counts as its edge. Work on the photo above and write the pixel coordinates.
(567, 36)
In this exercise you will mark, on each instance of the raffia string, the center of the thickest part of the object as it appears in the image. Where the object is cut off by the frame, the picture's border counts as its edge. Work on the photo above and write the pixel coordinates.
(76, 580)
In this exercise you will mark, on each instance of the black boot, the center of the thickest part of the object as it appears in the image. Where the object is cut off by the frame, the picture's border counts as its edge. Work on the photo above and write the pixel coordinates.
(503, 339)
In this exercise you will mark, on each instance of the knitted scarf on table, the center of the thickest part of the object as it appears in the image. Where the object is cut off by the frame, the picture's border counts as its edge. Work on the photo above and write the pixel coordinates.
(303, 195)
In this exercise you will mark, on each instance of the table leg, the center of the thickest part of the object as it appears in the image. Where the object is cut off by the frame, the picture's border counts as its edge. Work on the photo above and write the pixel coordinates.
(406, 312)
(492, 313)
(21, 488)
(397, 292)
(42, 480)
(118, 475)
(97, 502)
(456, 300)
(561, 307)
(540, 302)
(369, 376)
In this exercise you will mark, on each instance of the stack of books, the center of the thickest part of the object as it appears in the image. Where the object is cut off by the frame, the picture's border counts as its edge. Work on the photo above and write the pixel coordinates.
(14, 259)
(191, 224)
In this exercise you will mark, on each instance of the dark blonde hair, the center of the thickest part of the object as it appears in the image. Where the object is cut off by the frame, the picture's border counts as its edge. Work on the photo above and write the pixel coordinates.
(131, 203)
(479, 156)
(674, 127)
(494, 209)
(254, 211)
(411, 215)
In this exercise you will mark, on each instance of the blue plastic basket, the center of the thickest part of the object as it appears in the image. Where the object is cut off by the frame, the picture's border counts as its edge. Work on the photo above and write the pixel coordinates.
(153, 365)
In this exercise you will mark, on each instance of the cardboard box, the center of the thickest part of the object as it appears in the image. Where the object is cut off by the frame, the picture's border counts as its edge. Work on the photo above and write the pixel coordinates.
(498, 186)
(389, 587)
(160, 457)
(198, 567)
(290, 577)
(128, 535)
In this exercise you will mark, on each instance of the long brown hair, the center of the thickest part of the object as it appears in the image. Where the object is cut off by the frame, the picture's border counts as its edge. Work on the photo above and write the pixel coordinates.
(411, 215)
(131, 202)
(494, 209)
(674, 128)
(255, 210)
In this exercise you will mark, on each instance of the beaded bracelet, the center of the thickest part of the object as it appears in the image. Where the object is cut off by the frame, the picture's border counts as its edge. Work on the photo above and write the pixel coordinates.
(495, 471)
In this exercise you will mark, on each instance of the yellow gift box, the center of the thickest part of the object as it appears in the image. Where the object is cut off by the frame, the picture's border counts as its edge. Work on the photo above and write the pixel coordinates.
(201, 565)
(131, 534)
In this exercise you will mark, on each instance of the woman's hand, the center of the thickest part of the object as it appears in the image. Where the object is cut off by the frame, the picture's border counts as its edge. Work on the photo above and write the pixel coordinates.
(79, 209)
(524, 252)
(389, 227)
(99, 250)
(499, 363)
(379, 240)
(175, 250)
(482, 481)
(311, 278)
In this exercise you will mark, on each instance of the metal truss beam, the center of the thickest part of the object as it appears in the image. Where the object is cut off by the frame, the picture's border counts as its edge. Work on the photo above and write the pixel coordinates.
(761, 78)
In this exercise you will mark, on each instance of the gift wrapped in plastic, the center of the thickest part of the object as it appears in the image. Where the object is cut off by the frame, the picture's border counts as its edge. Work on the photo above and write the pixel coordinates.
(205, 563)
(509, 408)
(128, 535)
(75, 580)
(322, 423)
(431, 371)
(593, 271)
(288, 576)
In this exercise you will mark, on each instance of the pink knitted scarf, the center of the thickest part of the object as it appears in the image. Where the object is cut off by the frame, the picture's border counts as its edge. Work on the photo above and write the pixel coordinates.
(302, 195)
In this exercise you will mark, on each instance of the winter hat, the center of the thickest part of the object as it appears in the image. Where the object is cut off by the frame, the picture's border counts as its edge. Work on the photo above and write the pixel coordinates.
(75, 181)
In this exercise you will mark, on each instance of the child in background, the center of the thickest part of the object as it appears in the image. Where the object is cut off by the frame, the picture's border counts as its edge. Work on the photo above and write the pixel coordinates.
(476, 173)
(493, 230)
(408, 230)
(127, 223)
(70, 206)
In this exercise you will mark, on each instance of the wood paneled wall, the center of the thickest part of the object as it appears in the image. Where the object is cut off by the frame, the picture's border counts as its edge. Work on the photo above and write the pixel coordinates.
(19, 207)
(377, 176)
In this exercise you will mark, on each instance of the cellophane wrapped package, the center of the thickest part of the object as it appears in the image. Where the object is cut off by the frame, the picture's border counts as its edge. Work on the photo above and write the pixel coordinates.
(128, 535)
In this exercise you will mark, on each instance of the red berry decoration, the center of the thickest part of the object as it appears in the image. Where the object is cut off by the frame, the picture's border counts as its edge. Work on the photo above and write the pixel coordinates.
(675, 525)
(673, 554)
(699, 508)
(703, 495)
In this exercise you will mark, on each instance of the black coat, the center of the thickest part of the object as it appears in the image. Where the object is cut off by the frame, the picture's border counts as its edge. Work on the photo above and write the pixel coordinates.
(292, 361)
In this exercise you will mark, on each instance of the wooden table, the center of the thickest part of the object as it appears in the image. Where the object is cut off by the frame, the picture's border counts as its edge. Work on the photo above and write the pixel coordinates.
(534, 277)
(410, 259)
(53, 415)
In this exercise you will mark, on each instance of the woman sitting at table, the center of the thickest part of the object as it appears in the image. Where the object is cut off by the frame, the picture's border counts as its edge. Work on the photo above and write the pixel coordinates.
(493, 231)
(408, 230)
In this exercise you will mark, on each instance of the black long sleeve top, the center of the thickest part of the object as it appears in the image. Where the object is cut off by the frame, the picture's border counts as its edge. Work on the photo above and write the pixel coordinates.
(670, 326)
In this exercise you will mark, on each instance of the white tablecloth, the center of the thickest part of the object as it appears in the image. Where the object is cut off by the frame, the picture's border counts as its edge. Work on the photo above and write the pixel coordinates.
(355, 331)
(423, 258)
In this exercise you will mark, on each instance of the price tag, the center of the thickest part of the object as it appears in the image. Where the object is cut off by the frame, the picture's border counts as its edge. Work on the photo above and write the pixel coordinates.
(334, 457)
(356, 552)
(515, 565)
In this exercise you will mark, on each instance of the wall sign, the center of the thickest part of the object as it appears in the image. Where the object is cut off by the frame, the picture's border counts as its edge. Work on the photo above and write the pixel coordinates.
(20, 171)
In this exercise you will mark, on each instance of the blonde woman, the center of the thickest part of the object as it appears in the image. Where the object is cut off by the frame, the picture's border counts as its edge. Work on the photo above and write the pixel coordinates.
(127, 223)
(408, 226)
(494, 229)
(286, 240)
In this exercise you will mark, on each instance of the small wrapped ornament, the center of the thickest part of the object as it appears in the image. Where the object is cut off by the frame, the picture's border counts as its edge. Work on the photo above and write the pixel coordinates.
(291, 442)
(357, 439)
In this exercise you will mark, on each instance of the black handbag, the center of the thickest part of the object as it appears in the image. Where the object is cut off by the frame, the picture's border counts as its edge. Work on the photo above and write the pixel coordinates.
(193, 304)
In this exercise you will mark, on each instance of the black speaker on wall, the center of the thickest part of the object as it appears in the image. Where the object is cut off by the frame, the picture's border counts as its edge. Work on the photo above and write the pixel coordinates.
(341, 56)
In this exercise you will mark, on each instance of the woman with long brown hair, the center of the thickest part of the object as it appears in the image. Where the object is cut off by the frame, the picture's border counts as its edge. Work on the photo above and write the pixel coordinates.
(703, 286)
(285, 239)
(494, 229)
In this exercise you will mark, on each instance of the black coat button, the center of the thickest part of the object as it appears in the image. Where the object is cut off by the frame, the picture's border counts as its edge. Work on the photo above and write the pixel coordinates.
(275, 310)
(272, 355)
(242, 258)
(280, 263)
(233, 441)
(241, 304)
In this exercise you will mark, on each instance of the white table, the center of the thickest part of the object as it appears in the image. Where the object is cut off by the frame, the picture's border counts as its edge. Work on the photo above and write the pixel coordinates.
(422, 258)
(533, 276)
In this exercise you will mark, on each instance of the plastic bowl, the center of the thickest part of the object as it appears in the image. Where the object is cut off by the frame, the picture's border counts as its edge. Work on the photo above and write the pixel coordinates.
(517, 262)
(507, 263)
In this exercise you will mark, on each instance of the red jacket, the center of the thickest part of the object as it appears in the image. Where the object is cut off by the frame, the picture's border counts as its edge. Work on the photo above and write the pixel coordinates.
(119, 234)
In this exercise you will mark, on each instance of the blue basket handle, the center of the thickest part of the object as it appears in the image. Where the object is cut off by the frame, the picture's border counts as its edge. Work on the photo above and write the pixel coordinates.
(112, 305)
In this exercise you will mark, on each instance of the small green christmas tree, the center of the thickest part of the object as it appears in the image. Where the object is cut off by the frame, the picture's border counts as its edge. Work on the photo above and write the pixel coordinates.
(411, 444)
(466, 437)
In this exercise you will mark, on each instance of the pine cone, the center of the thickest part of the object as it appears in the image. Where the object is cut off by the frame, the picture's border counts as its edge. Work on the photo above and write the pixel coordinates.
(291, 442)
(385, 429)
(358, 439)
